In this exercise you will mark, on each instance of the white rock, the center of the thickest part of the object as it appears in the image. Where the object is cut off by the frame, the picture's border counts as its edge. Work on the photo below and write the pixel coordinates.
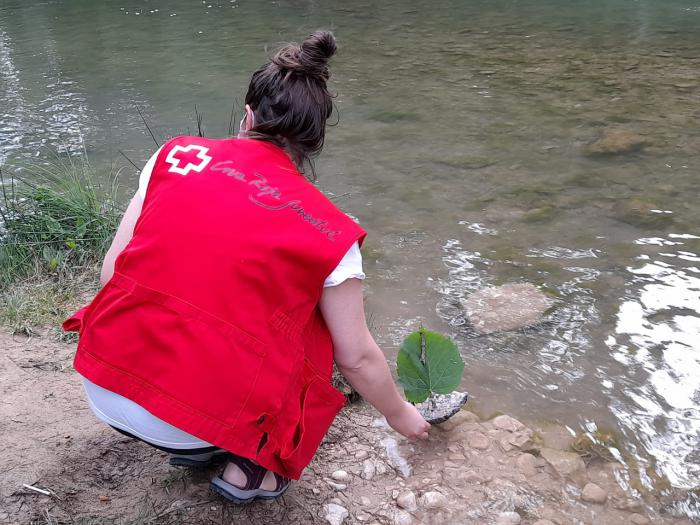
(368, 469)
(508, 518)
(407, 500)
(401, 517)
(433, 500)
(639, 519)
(341, 475)
(592, 493)
(361, 454)
(365, 501)
(507, 423)
(335, 514)
(337, 486)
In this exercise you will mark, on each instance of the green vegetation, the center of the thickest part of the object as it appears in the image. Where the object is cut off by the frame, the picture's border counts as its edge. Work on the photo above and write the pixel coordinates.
(428, 363)
(56, 223)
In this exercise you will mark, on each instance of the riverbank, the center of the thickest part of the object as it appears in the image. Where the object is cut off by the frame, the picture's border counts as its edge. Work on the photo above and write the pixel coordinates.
(469, 472)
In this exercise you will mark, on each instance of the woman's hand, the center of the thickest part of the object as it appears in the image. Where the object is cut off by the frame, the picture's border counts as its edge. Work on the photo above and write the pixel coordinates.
(409, 422)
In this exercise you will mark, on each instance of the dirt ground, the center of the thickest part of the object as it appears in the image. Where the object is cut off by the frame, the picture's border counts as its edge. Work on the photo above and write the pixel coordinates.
(469, 472)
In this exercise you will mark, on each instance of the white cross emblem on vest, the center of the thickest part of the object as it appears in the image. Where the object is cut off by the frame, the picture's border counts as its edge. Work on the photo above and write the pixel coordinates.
(181, 155)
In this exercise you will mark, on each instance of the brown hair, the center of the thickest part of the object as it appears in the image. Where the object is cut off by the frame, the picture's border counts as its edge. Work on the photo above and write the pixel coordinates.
(290, 98)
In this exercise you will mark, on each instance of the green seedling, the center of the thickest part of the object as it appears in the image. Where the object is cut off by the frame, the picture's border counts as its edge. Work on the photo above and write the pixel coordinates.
(428, 363)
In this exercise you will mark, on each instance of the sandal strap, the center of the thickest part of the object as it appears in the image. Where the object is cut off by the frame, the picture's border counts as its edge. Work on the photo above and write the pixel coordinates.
(254, 473)
(282, 482)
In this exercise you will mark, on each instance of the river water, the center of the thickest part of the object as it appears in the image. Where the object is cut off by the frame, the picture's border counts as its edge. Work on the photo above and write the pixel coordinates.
(462, 148)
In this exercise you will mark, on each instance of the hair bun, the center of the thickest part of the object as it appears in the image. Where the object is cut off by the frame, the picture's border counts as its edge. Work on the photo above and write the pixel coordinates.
(311, 57)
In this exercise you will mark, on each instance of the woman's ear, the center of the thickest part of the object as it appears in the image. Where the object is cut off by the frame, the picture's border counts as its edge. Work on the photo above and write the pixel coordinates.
(249, 118)
(247, 122)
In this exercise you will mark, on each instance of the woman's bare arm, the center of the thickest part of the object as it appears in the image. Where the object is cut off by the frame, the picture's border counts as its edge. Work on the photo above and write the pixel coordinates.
(121, 238)
(361, 361)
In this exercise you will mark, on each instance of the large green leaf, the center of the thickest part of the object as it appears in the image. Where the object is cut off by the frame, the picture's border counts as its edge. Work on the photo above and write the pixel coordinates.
(437, 370)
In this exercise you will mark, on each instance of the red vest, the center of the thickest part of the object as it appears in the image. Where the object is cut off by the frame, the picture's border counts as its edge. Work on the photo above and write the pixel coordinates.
(211, 320)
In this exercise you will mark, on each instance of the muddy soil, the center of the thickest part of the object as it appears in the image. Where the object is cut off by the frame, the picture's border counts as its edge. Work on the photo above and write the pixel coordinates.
(469, 472)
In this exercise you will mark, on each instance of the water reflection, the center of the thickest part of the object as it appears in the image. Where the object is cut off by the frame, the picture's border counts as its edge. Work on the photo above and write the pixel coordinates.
(657, 334)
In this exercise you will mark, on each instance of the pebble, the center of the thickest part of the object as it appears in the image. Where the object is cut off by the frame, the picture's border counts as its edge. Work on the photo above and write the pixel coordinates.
(337, 486)
(368, 469)
(407, 500)
(592, 493)
(341, 475)
(335, 514)
(433, 500)
(639, 519)
(365, 501)
(401, 517)
(508, 518)
(361, 454)
(526, 464)
(629, 504)
(477, 440)
(507, 423)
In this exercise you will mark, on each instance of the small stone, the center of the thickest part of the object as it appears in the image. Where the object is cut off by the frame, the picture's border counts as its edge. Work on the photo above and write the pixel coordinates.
(407, 500)
(438, 408)
(380, 467)
(361, 454)
(341, 475)
(592, 493)
(368, 469)
(526, 464)
(508, 518)
(335, 514)
(433, 500)
(337, 486)
(477, 440)
(505, 445)
(565, 463)
(401, 517)
(316, 491)
(460, 418)
(628, 504)
(507, 423)
(365, 501)
(639, 519)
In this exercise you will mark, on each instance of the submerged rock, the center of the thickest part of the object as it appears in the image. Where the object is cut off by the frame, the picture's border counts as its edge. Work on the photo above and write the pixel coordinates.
(507, 307)
(617, 141)
(641, 213)
(438, 408)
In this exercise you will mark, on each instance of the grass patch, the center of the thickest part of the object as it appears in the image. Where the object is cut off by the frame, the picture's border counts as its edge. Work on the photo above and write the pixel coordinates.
(56, 223)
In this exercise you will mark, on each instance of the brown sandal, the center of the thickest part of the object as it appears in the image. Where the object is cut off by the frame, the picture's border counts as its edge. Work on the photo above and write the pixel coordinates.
(254, 474)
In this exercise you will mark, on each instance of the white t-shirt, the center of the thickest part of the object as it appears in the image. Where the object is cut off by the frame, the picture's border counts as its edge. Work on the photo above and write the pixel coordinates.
(126, 415)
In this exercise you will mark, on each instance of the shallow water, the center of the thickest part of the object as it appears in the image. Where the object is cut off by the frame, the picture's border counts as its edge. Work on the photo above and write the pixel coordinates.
(462, 149)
